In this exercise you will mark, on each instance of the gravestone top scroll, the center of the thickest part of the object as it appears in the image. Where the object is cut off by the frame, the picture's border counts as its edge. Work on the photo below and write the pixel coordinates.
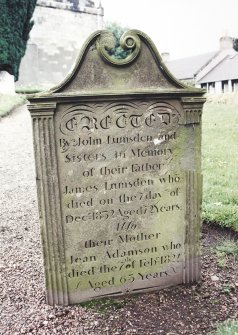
(118, 155)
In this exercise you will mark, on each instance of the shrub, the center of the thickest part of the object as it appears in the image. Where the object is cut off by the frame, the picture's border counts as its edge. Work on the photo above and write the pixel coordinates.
(15, 26)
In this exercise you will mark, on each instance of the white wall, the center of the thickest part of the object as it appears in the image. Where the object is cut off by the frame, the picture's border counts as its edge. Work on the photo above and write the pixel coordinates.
(7, 85)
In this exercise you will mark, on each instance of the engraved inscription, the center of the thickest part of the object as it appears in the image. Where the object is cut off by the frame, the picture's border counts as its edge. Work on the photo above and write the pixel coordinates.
(86, 118)
(121, 196)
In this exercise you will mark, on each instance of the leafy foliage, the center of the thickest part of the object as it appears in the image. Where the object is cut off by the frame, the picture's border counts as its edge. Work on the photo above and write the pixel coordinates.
(15, 26)
(117, 52)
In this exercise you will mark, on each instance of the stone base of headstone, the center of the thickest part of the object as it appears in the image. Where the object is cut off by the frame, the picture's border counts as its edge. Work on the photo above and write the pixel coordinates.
(7, 84)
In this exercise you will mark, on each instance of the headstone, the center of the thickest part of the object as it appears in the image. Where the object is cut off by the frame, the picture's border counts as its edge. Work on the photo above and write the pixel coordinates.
(118, 154)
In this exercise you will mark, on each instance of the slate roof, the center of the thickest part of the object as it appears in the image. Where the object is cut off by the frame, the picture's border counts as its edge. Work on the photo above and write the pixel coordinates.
(186, 68)
(226, 70)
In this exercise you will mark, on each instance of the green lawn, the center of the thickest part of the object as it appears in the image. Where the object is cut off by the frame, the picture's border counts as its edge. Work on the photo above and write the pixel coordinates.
(220, 164)
(229, 327)
(9, 102)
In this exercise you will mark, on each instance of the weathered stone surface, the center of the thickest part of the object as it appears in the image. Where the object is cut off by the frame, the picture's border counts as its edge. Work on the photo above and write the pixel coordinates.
(117, 149)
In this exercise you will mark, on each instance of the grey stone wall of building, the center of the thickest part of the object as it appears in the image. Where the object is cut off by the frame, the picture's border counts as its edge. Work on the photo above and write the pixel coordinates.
(55, 41)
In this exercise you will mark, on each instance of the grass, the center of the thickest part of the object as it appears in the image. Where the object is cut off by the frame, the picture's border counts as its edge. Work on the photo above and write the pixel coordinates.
(229, 327)
(29, 90)
(9, 102)
(227, 248)
(220, 164)
(102, 305)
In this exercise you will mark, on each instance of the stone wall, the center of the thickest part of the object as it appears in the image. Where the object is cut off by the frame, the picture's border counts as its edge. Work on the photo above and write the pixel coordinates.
(55, 41)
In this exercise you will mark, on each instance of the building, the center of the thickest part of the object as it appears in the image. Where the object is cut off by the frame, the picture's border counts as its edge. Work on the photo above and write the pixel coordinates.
(216, 71)
(61, 27)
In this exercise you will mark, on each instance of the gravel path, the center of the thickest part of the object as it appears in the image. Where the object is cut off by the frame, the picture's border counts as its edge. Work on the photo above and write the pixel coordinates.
(191, 310)
(22, 308)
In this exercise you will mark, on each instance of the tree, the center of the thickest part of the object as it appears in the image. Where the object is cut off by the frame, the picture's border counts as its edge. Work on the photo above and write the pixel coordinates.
(15, 26)
(117, 52)
(235, 44)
